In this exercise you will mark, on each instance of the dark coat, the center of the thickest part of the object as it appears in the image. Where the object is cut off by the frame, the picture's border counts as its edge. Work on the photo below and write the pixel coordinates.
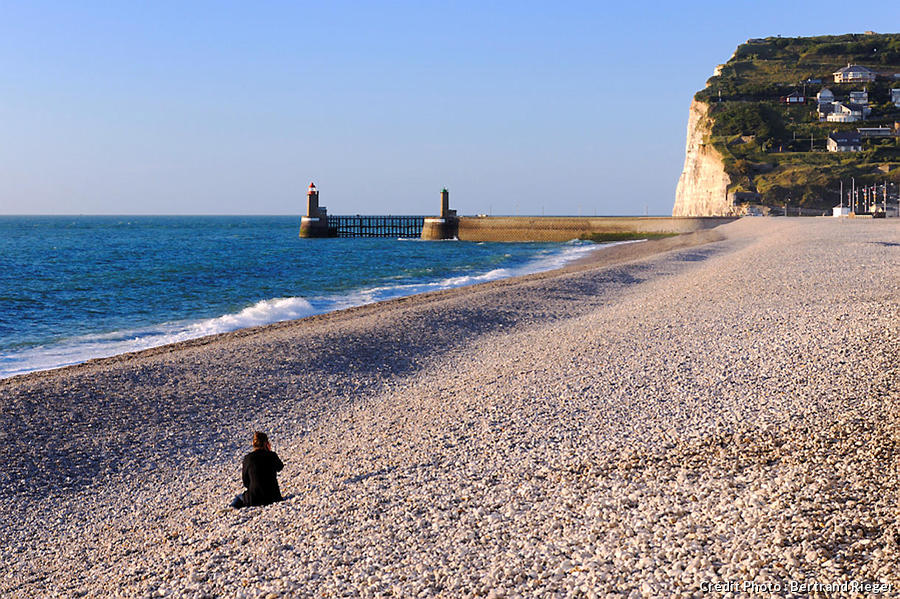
(259, 475)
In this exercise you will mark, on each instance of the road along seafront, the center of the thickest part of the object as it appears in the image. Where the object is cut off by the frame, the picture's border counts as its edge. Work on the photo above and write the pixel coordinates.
(693, 410)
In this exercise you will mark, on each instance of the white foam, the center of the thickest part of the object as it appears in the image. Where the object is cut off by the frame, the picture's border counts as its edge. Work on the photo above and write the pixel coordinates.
(81, 349)
(260, 313)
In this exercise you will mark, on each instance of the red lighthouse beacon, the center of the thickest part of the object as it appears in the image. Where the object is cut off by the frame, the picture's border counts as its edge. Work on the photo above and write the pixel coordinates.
(315, 223)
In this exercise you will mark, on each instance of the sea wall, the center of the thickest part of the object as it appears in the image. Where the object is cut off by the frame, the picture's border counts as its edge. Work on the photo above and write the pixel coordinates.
(564, 228)
(703, 186)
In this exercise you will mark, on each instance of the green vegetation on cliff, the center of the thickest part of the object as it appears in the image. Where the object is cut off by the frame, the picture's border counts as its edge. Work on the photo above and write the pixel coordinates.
(778, 150)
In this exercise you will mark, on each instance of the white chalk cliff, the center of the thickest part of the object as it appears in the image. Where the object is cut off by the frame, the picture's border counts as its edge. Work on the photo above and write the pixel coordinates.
(703, 186)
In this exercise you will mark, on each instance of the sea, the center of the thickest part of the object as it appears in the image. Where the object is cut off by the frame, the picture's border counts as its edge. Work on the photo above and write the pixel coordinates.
(73, 288)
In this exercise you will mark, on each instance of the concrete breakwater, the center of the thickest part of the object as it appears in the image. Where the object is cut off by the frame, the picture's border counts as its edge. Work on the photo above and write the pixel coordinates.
(507, 228)
(447, 225)
(564, 228)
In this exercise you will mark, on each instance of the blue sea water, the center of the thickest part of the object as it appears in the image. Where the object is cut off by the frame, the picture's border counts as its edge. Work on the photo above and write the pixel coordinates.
(74, 288)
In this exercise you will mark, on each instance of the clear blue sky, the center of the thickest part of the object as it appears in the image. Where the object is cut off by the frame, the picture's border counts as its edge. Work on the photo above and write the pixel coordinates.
(233, 108)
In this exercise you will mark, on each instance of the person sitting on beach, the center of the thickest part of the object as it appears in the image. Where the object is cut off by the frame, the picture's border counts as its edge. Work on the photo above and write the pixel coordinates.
(259, 474)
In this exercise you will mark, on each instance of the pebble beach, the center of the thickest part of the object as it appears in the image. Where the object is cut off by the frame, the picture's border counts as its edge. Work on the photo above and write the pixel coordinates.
(708, 415)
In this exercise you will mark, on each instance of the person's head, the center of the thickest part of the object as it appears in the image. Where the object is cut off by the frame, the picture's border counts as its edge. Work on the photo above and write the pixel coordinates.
(260, 440)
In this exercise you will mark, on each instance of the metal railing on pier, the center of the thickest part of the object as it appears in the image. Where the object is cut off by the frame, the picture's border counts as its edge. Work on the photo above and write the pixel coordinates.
(377, 226)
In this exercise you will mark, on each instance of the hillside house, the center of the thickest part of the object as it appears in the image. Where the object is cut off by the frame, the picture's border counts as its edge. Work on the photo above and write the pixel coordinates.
(861, 98)
(895, 96)
(794, 97)
(844, 141)
(845, 112)
(825, 96)
(853, 73)
(824, 109)
(876, 132)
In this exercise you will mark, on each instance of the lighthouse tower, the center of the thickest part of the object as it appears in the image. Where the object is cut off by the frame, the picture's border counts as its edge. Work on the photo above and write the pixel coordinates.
(312, 201)
(315, 223)
(445, 226)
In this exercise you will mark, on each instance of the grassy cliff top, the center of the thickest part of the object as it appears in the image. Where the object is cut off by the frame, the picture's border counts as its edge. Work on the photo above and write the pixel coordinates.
(778, 150)
(782, 64)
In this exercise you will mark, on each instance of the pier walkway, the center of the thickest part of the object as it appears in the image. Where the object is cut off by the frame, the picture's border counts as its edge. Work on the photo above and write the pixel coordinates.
(377, 226)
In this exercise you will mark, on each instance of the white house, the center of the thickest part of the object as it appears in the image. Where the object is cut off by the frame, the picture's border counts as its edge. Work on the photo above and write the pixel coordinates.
(825, 96)
(844, 141)
(839, 211)
(794, 97)
(853, 73)
(845, 112)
